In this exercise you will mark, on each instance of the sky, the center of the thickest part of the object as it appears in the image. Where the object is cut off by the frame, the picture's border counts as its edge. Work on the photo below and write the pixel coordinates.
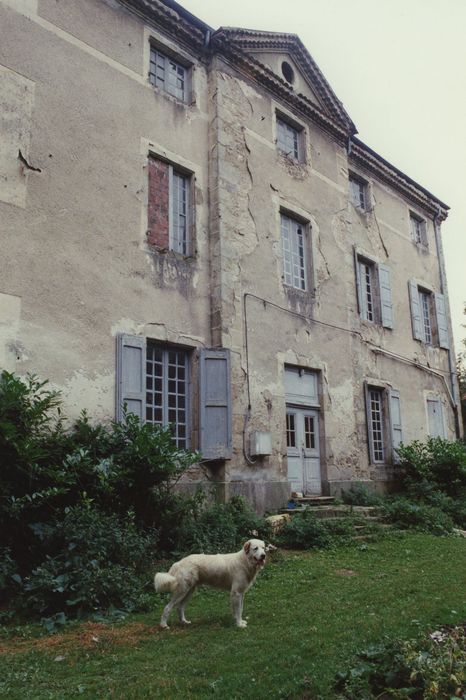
(399, 67)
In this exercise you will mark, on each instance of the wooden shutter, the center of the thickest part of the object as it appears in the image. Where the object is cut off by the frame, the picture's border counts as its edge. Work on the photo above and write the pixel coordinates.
(215, 404)
(395, 422)
(442, 322)
(415, 310)
(386, 303)
(435, 418)
(131, 375)
(358, 280)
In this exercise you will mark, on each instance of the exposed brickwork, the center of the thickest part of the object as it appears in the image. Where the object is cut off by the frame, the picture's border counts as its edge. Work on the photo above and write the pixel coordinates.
(158, 205)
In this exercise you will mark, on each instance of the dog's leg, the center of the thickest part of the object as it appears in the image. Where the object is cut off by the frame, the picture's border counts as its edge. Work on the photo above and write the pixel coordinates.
(237, 604)
(175, 601)
(181, 606)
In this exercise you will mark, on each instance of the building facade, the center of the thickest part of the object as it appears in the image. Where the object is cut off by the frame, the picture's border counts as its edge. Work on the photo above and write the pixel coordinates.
(190, 227)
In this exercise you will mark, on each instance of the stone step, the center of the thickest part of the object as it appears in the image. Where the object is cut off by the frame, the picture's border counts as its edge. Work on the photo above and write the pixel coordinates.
(337, 511)
(315, 501)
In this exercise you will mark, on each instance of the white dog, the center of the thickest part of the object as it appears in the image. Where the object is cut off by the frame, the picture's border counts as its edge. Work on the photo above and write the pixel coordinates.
(234, 572)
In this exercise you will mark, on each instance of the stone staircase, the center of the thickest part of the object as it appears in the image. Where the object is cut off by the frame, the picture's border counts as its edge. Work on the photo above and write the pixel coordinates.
(368, 522)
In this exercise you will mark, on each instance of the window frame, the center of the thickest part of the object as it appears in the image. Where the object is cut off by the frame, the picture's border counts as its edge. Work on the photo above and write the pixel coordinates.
(389, 431)
(164, 84)
(284, 126)
(295, 249)
(183, 246)
(370, 303)
(152, 346)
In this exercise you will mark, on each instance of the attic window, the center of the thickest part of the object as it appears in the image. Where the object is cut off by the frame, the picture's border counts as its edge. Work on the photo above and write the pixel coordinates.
(288, 72)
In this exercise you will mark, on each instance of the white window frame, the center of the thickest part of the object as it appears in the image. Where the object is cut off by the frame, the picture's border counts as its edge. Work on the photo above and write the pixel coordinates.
(179, 217)
(168, 74)
(418, 228)
(289, 138)
(383, 420)
(293, 235)
(427, 320)
(358, 192)
(369, 298)
(377, 424)
(165, 366)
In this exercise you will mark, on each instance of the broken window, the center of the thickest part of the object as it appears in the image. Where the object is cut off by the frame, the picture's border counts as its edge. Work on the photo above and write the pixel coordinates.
(418, 229)
(294, 256)
(358, 193)
(169, 207)
(289, 139)
(168, 75)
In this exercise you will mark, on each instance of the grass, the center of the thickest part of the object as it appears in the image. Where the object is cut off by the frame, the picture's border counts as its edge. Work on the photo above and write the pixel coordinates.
(308, 613)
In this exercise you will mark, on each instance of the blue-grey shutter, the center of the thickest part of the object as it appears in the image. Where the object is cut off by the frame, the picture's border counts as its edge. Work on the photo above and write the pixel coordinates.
(386, 303)
(395, 422)
(215, 404)
(442, 322)
(131, 375)
(415, 310)
(358, 280)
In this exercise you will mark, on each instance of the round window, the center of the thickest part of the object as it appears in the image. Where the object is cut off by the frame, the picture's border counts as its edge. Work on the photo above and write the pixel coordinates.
(288, 72)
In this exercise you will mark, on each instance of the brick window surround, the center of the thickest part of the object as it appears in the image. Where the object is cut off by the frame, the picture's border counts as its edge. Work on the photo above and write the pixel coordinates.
(158, 203)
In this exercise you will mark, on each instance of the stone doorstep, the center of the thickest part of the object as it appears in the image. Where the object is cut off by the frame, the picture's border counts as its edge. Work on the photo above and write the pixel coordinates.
(332, 511)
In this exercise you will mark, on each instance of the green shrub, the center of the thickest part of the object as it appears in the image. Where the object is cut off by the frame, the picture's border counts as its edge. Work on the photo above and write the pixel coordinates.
(425, 669)
(359, 495)
(304, 531)
(437, 461)
(96, 561)
(406, 513)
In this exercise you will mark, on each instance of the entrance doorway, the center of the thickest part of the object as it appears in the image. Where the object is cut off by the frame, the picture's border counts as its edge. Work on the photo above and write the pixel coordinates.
(302, 430)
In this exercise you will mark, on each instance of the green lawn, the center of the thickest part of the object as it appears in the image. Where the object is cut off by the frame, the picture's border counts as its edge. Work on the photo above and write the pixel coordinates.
(308, 613)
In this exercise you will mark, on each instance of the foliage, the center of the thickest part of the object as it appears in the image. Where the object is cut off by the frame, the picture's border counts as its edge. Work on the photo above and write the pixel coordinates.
(304, 531)
(217, 527)
(424, 668)
(359, 495)
(97, 561)
(436, 461)
(406, 513)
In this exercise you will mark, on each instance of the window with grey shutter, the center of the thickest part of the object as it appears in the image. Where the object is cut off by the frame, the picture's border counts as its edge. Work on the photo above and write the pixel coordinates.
(386, 304)
(435, 418)
(442, 321)
(375, 423)
(415, 310)
(215, 404)
(131, 375)
(395, 422)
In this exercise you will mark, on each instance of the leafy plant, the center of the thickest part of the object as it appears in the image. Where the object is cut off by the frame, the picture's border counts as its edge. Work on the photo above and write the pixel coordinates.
(359, 495)
(407, 513)
(424, 668)
(304, 531)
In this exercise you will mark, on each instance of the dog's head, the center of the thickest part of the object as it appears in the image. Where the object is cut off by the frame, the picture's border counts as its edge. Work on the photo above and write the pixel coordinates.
(255, 551)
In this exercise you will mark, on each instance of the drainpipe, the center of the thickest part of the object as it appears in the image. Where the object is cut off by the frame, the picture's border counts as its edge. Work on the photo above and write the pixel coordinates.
(443, 288)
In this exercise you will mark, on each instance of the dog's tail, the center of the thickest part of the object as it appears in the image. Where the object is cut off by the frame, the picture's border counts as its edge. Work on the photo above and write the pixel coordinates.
(164, 583)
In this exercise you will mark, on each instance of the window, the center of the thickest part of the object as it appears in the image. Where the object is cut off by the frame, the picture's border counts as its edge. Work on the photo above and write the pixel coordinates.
(294, 260)
(167, 390)
(290, 429)
(418, 229)
(168, 207)
(358, 193)
(383, 423)
(289, 139)
(374, 293)
(428, 316)
(153, 381)
(167, 74)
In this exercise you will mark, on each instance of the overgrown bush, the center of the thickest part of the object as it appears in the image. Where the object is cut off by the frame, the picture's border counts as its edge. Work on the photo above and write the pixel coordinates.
(96, 561)
(421, 669)
(437, 461)
(411, 514)
(359, 495)
(305, 531)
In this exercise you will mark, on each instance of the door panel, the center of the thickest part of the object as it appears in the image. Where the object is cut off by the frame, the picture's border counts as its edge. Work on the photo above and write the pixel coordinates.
(303, 449)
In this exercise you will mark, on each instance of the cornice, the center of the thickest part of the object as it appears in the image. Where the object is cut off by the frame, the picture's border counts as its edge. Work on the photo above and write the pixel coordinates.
(364, 156)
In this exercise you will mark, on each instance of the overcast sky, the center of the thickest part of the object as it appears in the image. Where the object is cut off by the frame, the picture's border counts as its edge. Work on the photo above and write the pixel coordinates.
(399, 67)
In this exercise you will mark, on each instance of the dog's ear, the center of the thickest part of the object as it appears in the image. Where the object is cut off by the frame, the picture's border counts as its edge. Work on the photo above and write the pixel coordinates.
(247, 546)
